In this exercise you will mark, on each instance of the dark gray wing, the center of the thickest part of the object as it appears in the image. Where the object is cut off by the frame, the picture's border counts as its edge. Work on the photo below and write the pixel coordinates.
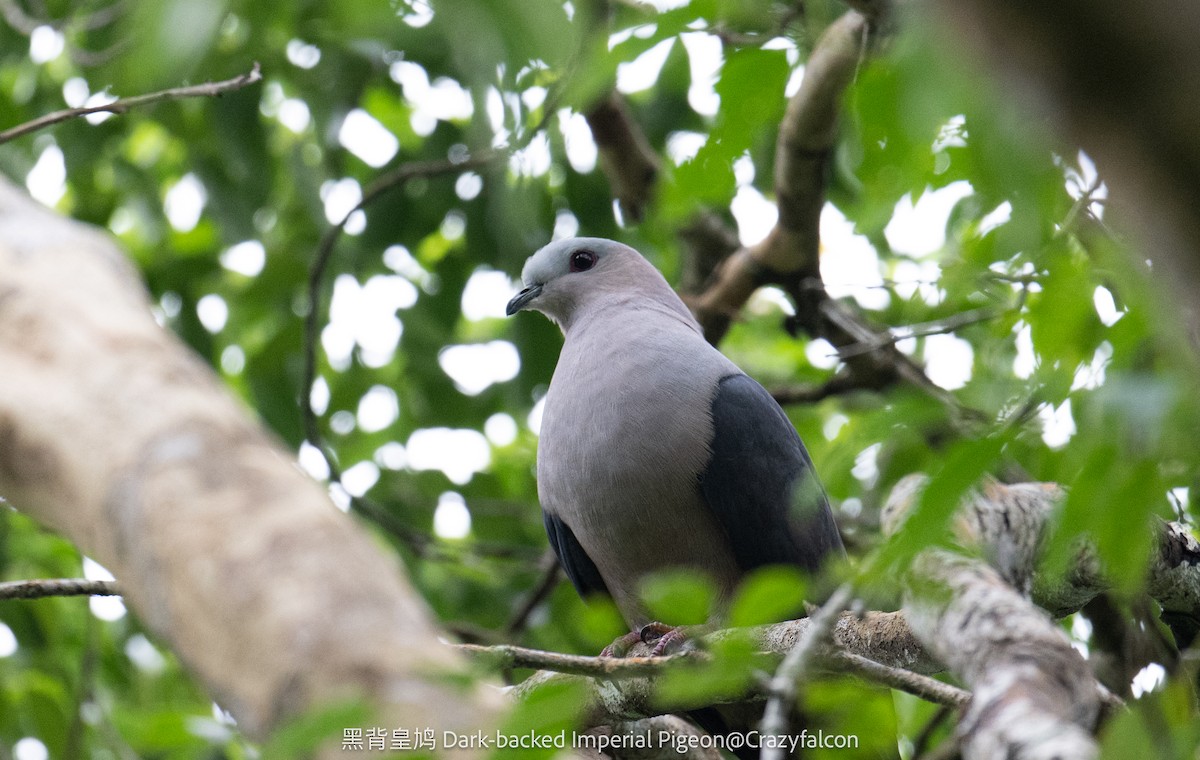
(574, 560)
(761, 485)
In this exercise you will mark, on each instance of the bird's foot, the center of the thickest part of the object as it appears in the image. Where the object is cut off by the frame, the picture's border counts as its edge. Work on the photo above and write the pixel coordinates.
(664, 637)
(622, 645)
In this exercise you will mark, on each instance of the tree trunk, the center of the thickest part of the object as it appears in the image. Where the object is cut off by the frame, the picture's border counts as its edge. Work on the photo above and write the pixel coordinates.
(113, 433)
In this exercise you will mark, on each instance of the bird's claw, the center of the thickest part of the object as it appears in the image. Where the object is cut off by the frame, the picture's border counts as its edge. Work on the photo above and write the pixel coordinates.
(622, 645)
(661, 635)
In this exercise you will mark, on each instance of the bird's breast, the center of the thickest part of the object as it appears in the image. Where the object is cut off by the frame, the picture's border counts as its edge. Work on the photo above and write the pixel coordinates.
(625, 433)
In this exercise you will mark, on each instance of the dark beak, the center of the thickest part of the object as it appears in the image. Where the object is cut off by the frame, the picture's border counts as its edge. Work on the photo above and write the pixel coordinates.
(522, 298)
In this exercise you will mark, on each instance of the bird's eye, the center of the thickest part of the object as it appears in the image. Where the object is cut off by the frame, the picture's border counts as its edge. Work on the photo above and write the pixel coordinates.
(581, 261)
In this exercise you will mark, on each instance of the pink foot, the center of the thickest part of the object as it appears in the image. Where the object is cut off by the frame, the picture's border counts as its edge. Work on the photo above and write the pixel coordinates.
(663, 637)
(621, 646)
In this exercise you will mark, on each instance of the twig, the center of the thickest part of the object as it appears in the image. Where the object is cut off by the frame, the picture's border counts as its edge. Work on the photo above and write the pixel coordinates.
(316, 273)
(843, 382)
(508, 656)
(929, 689)
(84, 690)
(549, 579)
(425, 545)
(782, 687)
(847, 327)
(740, 39)
(922, 740)
(16, 18)
(43, 587)
(209, 89)
(933, 327)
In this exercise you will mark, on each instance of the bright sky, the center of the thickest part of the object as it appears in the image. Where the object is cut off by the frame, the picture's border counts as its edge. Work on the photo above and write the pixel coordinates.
(367, 317)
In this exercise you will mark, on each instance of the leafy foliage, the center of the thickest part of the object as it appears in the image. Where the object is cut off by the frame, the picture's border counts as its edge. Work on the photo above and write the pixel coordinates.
(1074, 337)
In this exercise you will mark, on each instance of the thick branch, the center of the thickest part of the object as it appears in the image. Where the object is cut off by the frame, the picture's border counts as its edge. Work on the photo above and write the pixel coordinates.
(208, 90)
(626, 157)
(115, 434)
(806, 140)
(1007, 523)
(1033, 695)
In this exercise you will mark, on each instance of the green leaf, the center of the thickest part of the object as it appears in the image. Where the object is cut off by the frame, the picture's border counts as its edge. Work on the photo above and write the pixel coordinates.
(678, 597)
(769, 595)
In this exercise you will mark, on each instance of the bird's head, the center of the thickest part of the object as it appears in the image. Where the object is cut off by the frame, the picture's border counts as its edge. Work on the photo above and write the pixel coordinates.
(567, 275)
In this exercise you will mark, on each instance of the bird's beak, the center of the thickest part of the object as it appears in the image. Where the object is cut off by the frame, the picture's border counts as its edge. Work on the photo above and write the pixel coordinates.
(521, 299)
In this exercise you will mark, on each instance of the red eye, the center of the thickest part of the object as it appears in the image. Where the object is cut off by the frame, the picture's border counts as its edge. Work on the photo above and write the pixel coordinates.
(581, 261)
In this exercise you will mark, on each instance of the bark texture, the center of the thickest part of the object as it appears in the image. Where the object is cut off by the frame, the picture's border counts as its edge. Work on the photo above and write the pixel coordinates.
(113, 433)
(1033, 695)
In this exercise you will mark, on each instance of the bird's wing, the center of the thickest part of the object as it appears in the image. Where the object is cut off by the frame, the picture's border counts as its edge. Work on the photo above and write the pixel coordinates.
(761, 485)
(574, 560)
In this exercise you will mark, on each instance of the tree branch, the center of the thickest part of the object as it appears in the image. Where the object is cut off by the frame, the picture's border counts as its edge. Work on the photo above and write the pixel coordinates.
(781, 691)
(320, 264)
(877, 647)
(1007, 523)
(224, 548)
(43, 587)
(209, 89)
(551, 573)
(806, 139)
(1034, 696)
(626, 157)
(846, 381)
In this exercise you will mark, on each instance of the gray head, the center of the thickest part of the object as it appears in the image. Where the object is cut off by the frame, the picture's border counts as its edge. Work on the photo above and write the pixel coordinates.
(570, 276)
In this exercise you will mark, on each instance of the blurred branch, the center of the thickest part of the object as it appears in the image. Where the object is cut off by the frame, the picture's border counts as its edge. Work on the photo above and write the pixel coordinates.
(423, 544)
(43, 587)
(922, 741)
(221, 542)
(16, 17)
(24, 23)
(626, 158)
(846, 381)
(386, 182)
(781, 690)
(209, 89)
(1125, 92)
(933, 327)
(320, 263)
(784, 19)
(551, 572)
(707, 241)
